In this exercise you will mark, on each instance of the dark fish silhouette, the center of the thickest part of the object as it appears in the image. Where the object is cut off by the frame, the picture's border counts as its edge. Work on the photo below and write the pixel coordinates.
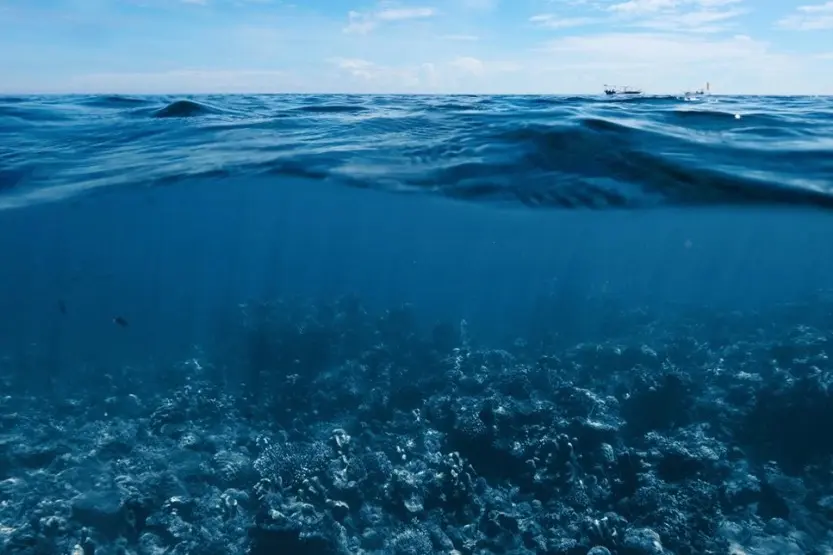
(120, 321)
(62, 307)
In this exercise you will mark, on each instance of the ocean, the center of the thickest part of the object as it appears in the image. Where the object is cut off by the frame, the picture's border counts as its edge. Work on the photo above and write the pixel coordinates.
(377, 324)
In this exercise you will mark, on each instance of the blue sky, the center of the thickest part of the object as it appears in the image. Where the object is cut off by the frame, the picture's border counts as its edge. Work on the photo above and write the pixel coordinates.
(421, 46)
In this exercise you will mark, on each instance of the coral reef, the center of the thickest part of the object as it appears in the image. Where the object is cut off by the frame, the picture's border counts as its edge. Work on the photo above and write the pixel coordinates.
(324, 429)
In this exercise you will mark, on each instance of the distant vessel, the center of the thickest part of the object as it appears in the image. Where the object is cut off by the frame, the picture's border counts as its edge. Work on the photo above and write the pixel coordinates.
(611, 91)
(689, 95)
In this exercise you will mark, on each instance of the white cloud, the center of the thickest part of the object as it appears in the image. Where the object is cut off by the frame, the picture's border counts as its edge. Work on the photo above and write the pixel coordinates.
(715, 3)
(698, 16)
(652, 48)
(643, 6)
(810, 18)
(358, 67)
(826, 8)
(459, 74)
(553, 21)
(469, 65)
(660, 63)
(653, 6)
(372, 77)
(398, 14)
(695, 16)
(359, 23)
(364, 22)
(669, 63)
(704, 21)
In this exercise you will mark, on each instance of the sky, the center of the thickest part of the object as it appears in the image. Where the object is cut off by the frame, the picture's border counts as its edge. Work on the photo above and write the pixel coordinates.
(415, 46)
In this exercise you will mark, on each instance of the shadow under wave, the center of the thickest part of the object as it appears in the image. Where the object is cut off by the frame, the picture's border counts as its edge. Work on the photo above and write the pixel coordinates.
(596, 164)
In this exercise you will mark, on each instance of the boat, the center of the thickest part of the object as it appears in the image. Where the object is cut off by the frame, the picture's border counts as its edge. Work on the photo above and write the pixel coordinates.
(692, 95)
(613, 91)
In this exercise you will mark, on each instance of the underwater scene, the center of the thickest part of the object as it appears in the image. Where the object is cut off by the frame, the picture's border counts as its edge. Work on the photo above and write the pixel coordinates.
(412, 325)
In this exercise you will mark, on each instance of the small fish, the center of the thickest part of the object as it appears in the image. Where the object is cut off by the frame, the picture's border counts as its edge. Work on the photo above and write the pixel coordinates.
(62, 306)
(120, 321)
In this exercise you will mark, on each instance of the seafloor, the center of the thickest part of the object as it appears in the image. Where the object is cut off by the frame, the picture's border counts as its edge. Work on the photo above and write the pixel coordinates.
(331, 430)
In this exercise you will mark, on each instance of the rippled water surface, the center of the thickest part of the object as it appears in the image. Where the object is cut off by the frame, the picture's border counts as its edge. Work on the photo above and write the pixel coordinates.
(535, 150)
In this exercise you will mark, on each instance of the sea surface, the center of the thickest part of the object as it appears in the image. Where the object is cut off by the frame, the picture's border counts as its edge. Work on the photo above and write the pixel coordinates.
(416, 324)
(539, 151)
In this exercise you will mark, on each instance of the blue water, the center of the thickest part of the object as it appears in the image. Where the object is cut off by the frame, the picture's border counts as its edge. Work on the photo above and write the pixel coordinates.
(535, 150)
(635, 299)
(170, 212)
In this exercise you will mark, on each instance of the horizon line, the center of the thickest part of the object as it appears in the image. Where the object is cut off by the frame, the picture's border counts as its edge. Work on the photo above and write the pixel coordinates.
(401, 93)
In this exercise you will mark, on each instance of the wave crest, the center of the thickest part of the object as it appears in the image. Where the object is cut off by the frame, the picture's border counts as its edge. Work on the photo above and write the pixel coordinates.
(185, 109)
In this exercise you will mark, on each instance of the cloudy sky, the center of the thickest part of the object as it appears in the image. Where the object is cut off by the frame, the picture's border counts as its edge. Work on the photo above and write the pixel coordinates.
(421, 46)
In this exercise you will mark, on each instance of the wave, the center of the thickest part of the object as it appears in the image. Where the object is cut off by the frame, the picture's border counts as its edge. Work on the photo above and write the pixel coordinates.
(332, 109)
(114, 101)
(185, 109)
(536, 151)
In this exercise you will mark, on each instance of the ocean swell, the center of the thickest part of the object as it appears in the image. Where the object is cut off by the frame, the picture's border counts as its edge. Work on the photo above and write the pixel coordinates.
(559, 152)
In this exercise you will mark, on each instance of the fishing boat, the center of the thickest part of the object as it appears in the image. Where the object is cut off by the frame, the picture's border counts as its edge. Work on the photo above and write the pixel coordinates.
(615, 91)
(693, 95)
